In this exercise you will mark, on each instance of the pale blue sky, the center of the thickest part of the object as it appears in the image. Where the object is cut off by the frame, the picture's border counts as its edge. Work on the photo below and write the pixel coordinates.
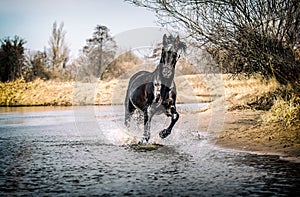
(33, 19)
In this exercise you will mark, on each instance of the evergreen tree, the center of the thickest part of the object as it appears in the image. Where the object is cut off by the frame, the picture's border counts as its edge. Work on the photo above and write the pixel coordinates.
(11, 58)
(99, 51)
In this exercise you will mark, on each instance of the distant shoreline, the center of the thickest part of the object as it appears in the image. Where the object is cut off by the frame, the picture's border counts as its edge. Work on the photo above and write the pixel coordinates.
(53, 93)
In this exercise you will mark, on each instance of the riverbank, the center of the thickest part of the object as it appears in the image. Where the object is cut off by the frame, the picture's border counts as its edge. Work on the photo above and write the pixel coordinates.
(198, 88)
(191, 89)
(244, 130)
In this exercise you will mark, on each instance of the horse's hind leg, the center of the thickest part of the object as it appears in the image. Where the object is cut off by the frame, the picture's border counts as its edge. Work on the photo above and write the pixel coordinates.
(175, 116)
(129, 109)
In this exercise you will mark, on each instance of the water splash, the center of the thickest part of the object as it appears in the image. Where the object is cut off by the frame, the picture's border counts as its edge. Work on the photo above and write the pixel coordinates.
(114, 132)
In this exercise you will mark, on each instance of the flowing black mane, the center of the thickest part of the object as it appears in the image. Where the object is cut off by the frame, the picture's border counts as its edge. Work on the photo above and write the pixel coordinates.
(155, 92)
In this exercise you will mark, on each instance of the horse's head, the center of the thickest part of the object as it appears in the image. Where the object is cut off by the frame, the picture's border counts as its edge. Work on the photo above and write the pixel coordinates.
(169, 56)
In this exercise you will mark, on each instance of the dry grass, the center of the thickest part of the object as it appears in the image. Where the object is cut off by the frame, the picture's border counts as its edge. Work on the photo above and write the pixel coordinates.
(191, 88)
(38, 92)
(249, 93)
(280, 104)
(284, 112)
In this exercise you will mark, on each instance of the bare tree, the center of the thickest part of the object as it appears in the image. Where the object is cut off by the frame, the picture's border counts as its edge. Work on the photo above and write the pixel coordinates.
(35, 66)
(246, 36)
(58, 53)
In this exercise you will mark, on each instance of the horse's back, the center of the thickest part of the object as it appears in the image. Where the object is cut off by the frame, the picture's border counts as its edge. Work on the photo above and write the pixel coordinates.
(138, 75)
(138, 79)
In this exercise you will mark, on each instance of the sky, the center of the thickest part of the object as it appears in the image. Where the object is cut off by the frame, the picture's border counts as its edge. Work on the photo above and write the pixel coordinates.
(32, 20)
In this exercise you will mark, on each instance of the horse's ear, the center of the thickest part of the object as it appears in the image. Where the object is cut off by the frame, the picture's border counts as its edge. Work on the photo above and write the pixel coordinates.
(165, 40)
(179, 45)
(177, 40)
(182, 46)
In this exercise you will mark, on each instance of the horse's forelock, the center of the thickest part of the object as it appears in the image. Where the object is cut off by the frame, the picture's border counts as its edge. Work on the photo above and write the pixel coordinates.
(170, 47)
(170, 43)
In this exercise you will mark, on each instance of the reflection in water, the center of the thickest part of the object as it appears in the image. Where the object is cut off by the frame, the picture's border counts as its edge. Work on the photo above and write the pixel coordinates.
(72, 151)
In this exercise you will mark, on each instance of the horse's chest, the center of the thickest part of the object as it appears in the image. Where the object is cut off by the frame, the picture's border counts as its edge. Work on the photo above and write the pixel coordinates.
(161, 93)
(167, 71)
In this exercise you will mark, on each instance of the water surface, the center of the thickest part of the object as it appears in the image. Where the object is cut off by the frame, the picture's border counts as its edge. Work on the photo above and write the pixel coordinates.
(80, 151)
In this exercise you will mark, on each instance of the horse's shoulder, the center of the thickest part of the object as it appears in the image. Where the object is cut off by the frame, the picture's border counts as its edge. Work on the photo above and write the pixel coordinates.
(173, 88)
(173, 85)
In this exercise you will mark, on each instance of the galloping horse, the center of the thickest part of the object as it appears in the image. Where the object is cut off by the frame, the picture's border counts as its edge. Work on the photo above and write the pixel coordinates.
(155, 92)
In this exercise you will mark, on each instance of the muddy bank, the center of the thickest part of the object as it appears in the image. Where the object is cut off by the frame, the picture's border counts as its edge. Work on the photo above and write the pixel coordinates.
(244, 130)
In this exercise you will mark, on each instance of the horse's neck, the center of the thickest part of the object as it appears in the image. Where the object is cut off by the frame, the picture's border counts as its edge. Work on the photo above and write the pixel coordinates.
(159, 78)
(161, 84)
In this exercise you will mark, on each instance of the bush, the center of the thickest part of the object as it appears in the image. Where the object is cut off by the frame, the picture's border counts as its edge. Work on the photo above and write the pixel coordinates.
(120, 65)
(285, 111)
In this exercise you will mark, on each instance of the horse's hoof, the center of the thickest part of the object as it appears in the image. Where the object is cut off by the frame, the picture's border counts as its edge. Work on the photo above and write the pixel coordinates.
(144, 140)
(127, 125)
(164, 133)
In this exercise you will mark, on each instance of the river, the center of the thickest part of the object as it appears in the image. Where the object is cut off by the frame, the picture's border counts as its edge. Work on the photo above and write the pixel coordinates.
(81, 151)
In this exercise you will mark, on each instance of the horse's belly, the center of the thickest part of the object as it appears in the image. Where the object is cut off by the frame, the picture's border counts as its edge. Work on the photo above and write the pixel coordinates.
(138, 100)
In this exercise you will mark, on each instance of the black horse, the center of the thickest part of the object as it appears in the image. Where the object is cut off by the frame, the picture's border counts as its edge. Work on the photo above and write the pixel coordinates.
(155, 92)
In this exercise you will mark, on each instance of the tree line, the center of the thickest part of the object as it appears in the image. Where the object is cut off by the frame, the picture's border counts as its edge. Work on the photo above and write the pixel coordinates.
(53, 62)
(244, 37)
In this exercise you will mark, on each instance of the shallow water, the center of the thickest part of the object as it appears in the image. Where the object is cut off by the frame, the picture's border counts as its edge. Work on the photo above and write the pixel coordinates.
(81, 151)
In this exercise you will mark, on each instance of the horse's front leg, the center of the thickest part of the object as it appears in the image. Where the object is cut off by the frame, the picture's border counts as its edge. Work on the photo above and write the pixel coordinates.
(148, 113)
(175, 116)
